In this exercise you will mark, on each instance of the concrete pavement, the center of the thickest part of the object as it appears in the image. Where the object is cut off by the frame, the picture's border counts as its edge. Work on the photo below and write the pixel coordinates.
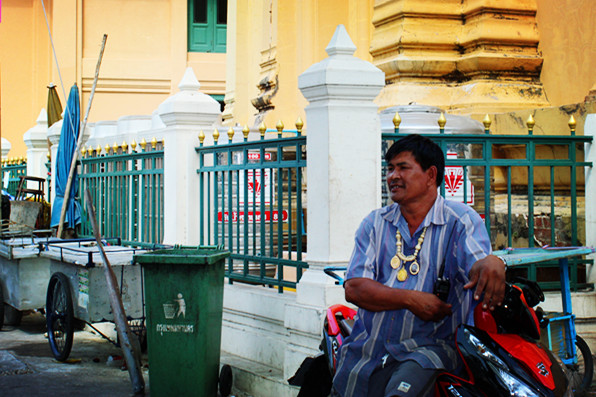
(27, 367)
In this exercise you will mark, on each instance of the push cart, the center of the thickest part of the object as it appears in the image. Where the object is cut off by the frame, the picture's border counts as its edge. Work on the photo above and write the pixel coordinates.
(77, 290)
(560, 336)
(23, 277)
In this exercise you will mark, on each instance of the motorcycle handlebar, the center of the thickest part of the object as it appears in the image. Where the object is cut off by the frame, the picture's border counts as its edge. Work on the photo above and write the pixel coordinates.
(331, 272)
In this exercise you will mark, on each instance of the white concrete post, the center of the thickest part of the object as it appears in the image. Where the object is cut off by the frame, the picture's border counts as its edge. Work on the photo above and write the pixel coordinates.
(343, 173)
(590, 193)
(36, 139)
(6, 146)
(184, 114)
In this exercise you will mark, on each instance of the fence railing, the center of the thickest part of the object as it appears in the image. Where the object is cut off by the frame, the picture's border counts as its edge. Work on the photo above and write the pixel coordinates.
(250, 201)
(529, 189)
(127, 191)
(11, 169)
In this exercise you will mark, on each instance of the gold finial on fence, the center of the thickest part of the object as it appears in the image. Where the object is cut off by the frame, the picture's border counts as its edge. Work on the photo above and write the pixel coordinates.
(153, 143)
(163, 142)
(98, 150)
(245, 132)
(262, 129)
(299, 124)
(201, 137)
(83, 151)
(487, 122)
(230, 134)
(115, 148)
(572, 123)
(133, 145)
(23, 160)
(143, 144)
(215, 136)
(107, 149)
(396, 121)
(530, 123)
(280, 127)
(124, 147)
(48, 155)
(442, 121)
(90, 151)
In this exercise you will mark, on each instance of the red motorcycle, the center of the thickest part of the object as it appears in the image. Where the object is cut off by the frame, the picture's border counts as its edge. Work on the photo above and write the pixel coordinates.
(501, 353)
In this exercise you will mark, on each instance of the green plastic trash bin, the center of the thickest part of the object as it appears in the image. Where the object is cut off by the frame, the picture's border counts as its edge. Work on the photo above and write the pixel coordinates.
(183, 300)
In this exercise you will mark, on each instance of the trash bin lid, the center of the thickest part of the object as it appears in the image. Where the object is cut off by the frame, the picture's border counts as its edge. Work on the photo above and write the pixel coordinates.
(182, 256)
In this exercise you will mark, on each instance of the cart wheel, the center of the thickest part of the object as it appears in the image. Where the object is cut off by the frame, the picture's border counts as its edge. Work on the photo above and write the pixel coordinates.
(225, 380)
(59, 315)
(1, 307)
(581, 374)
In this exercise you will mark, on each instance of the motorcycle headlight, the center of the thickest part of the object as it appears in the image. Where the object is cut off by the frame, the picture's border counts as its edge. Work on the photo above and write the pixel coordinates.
(516, 388)
(485, 352)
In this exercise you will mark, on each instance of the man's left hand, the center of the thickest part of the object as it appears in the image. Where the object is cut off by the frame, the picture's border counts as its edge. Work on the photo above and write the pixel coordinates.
(488, 276)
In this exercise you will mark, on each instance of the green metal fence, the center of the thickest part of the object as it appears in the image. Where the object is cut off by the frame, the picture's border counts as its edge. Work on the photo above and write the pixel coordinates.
(251, 203)
(529, 189)
(127, 191)
(10, 175)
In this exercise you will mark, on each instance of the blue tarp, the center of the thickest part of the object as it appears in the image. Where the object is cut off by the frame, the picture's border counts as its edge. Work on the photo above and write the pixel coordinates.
(66, 150)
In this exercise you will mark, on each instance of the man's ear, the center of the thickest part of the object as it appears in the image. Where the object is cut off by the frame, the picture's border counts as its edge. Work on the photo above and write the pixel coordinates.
(432, 175)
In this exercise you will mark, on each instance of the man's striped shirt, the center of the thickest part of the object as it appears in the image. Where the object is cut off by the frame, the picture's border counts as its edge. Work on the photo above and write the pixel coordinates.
(456, 235)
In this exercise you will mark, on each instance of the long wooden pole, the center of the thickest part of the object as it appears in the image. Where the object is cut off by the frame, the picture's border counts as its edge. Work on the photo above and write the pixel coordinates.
(75, 155)
(130, 349)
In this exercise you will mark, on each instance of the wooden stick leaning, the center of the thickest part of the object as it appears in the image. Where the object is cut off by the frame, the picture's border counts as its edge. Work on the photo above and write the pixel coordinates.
(75, 156)
(128, 342)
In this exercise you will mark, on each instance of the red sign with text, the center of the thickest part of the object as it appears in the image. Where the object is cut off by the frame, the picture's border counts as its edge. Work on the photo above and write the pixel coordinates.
(252, 216)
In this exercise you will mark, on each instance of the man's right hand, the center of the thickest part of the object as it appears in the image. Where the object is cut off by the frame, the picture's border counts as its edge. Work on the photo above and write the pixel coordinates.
(374, 296)
(429, 307)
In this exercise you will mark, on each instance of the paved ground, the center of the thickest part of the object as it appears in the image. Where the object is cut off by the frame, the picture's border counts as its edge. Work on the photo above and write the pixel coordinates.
(27, 367)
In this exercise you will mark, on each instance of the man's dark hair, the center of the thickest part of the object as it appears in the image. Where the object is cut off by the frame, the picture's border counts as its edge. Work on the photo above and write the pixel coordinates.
(426, 152)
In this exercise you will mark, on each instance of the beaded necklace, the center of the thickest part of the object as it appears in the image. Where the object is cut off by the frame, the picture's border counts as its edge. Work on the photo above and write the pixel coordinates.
(399, 258)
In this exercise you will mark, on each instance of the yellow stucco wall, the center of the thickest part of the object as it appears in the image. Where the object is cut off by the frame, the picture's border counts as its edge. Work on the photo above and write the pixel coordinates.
(144, 59)
(568, 45)
(296, 34)
(24, 68)
(284, 38)
(146, 53)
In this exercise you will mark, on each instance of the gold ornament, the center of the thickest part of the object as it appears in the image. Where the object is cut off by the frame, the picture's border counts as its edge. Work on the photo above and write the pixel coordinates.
(400, 258)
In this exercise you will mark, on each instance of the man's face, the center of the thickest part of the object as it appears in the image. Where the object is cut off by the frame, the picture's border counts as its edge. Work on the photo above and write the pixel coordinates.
(407, 181)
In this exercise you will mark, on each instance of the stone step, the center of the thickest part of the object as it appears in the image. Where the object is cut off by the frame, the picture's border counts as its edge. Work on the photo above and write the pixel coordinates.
(251, 379)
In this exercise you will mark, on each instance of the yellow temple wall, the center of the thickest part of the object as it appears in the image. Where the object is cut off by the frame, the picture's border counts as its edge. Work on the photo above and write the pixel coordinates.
(284, 38)
(567, 43)
(144, 59)
(146, 53)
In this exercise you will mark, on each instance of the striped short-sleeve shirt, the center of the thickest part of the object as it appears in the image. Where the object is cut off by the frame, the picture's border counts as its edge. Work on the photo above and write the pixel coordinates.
(455, 235)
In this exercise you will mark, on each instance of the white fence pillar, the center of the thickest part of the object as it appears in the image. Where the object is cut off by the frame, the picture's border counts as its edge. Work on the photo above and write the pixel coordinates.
(184, 114)
(343, 173)
(36, 139)
(590, 192)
